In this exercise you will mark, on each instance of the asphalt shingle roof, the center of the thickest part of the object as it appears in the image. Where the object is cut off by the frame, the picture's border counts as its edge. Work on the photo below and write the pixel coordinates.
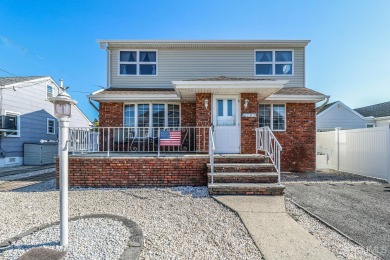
(319, 109)
(298, 91)
(378, 110)
(4, 81)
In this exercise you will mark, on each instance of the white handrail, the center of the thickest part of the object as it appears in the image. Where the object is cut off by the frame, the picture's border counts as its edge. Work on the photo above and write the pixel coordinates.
(211, 152)
(267, 142)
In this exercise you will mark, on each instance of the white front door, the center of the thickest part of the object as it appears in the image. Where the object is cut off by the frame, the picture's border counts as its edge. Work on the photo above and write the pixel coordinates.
(226, 124)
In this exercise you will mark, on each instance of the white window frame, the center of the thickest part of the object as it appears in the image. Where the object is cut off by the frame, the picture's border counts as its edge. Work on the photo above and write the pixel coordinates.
(272, 116)
(273, 63)
(52, 91)
(47, 126)
(137, 63)
(370, 124)
(17, 114)
(150, 113)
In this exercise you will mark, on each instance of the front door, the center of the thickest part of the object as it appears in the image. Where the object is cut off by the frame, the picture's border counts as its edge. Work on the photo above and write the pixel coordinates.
(226, 124)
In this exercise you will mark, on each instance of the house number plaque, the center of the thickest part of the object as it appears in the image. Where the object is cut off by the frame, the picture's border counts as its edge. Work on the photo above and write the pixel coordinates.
(249, 115)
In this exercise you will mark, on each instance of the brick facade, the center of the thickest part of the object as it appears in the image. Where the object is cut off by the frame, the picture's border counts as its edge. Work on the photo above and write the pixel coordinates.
(111, 114)
(249, 124)
(299, 139)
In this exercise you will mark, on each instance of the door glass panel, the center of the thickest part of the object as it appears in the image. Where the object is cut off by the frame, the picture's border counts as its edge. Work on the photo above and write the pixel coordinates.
(220, 107)
(230, 107)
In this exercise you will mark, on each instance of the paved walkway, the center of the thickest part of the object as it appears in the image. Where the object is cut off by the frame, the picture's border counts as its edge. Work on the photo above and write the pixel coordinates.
(24, 182)
(275, 233)
(23, 169)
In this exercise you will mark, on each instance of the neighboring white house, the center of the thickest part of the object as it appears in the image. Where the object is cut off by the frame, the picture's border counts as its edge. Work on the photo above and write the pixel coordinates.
(380, 112)
(27, 116)
(337, 114)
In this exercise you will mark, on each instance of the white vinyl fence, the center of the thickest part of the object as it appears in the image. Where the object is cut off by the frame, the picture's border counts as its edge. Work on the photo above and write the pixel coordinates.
(364, 151)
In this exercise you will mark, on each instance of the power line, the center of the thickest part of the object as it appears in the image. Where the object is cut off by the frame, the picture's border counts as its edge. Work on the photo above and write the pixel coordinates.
(8, 72)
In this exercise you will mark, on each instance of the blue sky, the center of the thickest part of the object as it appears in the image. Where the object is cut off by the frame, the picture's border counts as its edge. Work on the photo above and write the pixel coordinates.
(347, 58)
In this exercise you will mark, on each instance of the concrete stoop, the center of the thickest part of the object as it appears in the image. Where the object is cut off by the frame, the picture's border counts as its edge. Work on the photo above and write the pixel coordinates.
(243, 175)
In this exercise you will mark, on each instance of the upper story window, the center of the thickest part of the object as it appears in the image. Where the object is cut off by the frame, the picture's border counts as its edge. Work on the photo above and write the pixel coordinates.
(135, 63)
(49, 91)
(274, 62)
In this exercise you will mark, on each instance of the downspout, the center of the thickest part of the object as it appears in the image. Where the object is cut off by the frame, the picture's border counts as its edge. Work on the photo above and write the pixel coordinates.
(325, 103)
(92, 104)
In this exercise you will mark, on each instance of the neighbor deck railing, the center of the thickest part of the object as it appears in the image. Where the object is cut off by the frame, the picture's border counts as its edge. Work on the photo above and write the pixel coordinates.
(136, 140)
(211, 152)
(267, 142)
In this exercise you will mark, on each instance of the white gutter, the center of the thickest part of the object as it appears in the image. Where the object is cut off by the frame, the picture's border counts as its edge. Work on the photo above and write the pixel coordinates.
(188, 84)
(119, 97)
(296, 97)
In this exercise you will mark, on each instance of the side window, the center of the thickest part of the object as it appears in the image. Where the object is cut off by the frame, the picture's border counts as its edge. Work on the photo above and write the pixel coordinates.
(49, 91)
(10, 124)
(51, 130)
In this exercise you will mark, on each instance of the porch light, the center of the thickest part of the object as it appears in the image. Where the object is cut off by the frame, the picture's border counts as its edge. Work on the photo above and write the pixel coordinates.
(246, 102)
(206, 103)
(63, 111)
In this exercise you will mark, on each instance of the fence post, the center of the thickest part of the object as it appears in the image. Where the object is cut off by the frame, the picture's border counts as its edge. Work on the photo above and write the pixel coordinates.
(337, 140)
(108, 143)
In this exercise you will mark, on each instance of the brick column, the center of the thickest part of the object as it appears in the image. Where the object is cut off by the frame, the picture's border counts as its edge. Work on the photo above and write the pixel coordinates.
(188, 114)
(249, 124)
(203, 118)
(111, 114)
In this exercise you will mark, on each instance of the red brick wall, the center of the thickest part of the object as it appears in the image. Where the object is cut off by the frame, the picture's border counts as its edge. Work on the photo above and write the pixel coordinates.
(111, 114)
(128, 172)
(249, 124)
(299, 140)
(188, 114)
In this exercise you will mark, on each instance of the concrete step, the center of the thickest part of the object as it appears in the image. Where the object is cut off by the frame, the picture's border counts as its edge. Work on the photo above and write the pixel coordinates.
(246, 189)
(240, 158)
(242, 167)
(244, 177)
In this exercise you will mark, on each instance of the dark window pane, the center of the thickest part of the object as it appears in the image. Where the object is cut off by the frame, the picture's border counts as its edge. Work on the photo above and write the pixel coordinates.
(128, 69)
(264, 115)
(263, 56)
(158, 115)
(220, 107)
(130, 115)
(263, 69)
(173, 116)
(283, 55)
(283, 69)
(143, 115)
(148, 69)
(129, 56)
(230, 107)
(147, 56)
(279, 116)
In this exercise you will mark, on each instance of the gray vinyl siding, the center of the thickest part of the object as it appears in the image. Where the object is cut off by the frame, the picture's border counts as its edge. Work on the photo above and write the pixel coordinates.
(34, 109)
(341, 117)
(182, 64)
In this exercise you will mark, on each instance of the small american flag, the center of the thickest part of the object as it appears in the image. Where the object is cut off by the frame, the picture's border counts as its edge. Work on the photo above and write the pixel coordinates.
(168, 138)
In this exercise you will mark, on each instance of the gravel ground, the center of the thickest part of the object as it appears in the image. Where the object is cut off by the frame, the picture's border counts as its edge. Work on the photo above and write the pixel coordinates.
(25, 175)
(86, 237)
(360, 210)
(342, 247)
(178, 223)
(326, 176)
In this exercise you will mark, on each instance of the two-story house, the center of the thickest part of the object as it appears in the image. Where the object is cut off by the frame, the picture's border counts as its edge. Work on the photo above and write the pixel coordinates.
(27, 117)
(180, 89)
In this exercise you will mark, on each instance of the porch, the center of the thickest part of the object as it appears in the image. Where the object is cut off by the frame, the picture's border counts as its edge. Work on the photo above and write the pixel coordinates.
(104, 157)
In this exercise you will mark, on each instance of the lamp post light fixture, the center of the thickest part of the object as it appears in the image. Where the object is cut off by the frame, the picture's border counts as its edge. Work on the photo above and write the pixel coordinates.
(63, 111)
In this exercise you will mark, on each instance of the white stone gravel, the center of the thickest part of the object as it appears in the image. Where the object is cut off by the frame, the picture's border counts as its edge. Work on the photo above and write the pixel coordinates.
(342, 247)
(177, 223)
(94, 238)
(25, 175)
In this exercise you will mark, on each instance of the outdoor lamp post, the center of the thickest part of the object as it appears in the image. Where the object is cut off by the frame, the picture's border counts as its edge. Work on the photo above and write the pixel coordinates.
(63, 111)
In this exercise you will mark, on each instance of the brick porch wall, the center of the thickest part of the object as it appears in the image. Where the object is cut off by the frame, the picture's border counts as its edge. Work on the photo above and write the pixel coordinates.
(128, 172)
(299, 141)
(249, 124)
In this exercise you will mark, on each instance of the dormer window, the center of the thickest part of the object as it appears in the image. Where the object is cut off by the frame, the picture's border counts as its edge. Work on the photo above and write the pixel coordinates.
(273, 62)
(134, 62)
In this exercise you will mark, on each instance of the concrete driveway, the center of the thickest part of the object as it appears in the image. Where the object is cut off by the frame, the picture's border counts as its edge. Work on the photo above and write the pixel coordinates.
(361, 210)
